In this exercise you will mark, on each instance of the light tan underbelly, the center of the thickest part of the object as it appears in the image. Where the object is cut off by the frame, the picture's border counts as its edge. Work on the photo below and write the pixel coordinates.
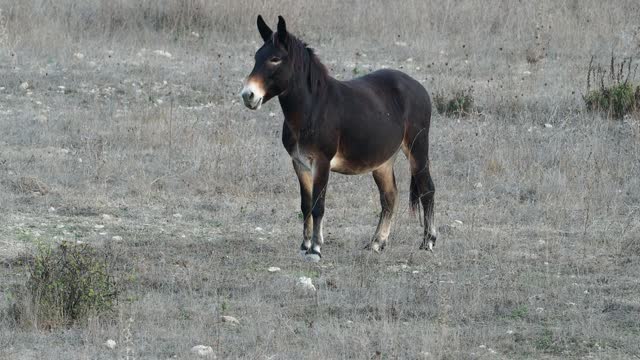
(337, 164)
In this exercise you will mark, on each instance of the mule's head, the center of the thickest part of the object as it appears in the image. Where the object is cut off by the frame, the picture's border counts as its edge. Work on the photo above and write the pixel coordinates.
(272, 71)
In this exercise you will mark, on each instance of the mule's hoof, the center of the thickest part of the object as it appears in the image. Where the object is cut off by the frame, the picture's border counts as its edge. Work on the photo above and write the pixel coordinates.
(428, 245)
(312, 257)
(304, 249)
(374, 246)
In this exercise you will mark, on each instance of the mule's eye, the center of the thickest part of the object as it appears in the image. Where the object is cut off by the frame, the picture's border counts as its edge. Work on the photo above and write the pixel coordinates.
(275, 60)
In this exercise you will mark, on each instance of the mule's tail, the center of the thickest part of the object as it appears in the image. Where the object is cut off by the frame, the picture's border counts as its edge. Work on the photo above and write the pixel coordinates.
(414, 198)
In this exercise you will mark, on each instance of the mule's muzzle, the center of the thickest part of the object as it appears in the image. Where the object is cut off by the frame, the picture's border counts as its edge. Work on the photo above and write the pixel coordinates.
(251, 100)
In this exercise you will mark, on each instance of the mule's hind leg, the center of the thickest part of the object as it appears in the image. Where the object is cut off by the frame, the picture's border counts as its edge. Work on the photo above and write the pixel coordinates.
(386, 181)
(426, 192)
(422, 188)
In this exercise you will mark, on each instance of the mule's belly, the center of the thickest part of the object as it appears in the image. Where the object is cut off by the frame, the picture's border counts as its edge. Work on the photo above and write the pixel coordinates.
(365, 150)
(339, 163)
(344, 165)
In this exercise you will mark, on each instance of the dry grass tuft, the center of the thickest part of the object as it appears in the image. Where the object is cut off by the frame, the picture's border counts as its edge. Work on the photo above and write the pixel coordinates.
(30, 185)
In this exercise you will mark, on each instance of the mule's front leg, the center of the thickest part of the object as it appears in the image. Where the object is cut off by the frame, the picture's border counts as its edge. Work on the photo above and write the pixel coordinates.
(306, 187)
(320, 172)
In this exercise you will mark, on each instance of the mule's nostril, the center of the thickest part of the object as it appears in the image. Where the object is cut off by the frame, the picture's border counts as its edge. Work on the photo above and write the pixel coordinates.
(248, 95)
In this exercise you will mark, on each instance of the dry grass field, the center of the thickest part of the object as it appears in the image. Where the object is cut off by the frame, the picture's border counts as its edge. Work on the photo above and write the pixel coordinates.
(121, 127)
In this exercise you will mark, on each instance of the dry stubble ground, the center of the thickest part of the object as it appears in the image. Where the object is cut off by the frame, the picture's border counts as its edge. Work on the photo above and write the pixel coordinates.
(537, 257)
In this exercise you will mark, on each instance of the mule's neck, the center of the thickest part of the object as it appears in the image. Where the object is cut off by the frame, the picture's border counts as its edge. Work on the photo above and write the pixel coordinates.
(295, 100)
(307, 87)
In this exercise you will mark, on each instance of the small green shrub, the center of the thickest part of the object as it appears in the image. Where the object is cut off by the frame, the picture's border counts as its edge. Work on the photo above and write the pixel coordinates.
(66, 284)
(460, 104)
(545, 342)
(520, 312)
(615, 95)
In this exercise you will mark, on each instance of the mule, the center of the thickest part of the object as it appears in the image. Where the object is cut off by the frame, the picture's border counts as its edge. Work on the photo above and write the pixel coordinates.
(350, 127)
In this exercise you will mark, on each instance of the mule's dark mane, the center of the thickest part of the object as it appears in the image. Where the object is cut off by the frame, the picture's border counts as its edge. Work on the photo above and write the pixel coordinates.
(305, 61)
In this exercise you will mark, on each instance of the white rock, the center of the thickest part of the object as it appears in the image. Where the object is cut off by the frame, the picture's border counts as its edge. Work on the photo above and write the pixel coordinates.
(526, 72)
(24, 86)
(272, 114)
(78, 56)
(107, 217)
(410, 60)
(306, 284)
(59, 226)
(102, 233)
(478, 185)
(116, 238)
(273, 269)
(539, 310)
(177, 216)
(202, 350)
(111, 344)
(98, 227)
(230, 319)
(548, 126)
(52, 209)
(163, 53)
(259, 228)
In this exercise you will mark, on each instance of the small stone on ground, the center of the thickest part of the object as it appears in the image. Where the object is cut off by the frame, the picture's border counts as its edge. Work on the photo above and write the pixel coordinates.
(230, 320)
(111, 344)
(202, 350)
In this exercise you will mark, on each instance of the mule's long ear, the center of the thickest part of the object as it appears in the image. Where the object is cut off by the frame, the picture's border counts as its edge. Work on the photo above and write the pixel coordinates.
(264, 29)
(282, 30)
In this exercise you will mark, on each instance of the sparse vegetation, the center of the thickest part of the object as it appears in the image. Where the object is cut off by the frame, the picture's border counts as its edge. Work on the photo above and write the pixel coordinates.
(66, 284)
(520, 312)
(461, 103)
(615, 93)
